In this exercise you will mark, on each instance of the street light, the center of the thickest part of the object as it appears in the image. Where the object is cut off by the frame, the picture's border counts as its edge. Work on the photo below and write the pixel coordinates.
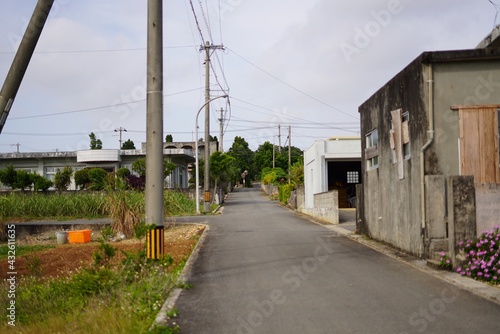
(196, 153)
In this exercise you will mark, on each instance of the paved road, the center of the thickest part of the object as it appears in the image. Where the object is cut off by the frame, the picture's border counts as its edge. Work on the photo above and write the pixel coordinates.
(263, 269)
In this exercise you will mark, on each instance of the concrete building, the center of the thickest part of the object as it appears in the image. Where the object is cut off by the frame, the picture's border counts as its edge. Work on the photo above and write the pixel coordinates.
(47, 163)
(424, 132)
(332, 165)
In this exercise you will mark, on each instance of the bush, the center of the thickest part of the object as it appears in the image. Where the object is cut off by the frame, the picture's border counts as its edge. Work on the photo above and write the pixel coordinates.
(97, 177)
(82, 179)
(274, 176)
(62, 179)
(122, 173)
(39, 182)
(482, 257)
(285, 192)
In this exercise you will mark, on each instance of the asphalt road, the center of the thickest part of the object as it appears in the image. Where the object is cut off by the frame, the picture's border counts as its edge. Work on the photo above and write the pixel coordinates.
(263, 269)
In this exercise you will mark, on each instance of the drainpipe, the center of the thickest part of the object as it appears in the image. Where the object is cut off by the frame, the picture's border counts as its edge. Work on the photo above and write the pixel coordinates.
(430, 133)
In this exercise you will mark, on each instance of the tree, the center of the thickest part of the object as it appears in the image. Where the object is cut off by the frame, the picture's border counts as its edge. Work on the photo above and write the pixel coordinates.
(39, 182)
(82, 179)
(243, 156)
(95, 144)
(8, 176)
(128, 145)
(169, 139)
(123, 172)
(22, 180)
(97, 178)
(62, 179)
(222, 169)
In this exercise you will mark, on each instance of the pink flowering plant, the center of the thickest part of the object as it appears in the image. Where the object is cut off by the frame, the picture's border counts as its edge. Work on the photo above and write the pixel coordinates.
(482, 257)
(445, 262)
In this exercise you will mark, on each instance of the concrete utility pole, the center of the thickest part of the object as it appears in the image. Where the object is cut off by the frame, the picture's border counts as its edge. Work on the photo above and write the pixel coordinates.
(207, 47)
(221, 131)
(155, 248)
(22, 58)
(120, 129)
(279, 138)
(17, 146)
(289, 153)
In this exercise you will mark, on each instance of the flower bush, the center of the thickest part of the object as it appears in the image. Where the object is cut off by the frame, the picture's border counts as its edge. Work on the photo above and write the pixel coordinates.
(445, 262)
(482, 257)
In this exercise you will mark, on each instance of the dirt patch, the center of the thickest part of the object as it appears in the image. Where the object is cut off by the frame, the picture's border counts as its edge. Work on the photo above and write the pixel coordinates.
(63, 260)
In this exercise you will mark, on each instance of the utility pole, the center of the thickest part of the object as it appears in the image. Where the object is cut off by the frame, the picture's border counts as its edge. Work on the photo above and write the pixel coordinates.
(22, 58)
(17, 146)
(274, 149)
(279, 138)
(207, 47)
(155, 241)
(120, 129)
(221, 131)
(289, 153)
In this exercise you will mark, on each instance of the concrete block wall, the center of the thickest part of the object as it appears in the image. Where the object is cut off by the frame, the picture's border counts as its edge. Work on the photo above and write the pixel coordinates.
(461, 213)
(326, 207)
(487, 206)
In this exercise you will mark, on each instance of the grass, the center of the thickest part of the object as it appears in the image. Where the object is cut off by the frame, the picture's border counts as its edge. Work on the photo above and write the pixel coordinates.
(99, 299)
(22, 249)
(119, 204)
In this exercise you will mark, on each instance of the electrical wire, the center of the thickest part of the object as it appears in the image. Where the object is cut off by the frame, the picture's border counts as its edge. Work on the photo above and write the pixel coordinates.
(497, 9)
(292, 87)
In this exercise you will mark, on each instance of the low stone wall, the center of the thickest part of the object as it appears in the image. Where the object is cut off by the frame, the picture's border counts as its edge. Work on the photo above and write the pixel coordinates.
(487, 206)
(326, 207)
(270, 189)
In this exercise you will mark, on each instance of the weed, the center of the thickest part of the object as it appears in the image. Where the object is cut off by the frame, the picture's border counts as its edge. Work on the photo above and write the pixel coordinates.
(34, 265)
(173, 313)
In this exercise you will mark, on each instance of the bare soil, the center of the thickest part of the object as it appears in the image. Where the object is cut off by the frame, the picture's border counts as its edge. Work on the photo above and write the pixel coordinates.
(64, 260)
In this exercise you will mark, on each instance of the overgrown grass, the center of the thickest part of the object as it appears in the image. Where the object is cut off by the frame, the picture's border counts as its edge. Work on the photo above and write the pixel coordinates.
(119, 203)
(99, 299)
(22, 249)
(35, 206)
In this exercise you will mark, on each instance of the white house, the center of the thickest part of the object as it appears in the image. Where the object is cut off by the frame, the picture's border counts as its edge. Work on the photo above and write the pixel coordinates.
(332, 164)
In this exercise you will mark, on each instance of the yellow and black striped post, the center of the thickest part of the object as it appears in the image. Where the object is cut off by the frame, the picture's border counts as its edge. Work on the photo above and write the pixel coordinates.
(155, 243)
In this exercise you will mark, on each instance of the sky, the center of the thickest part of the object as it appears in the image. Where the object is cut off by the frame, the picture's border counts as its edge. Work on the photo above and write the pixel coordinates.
(289, 64)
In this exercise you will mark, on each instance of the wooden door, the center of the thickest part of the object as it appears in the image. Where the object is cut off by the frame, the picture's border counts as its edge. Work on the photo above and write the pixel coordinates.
(478, 140)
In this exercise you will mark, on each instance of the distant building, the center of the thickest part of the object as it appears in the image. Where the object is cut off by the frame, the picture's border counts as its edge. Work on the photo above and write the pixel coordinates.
(332, 164)
(47, 163)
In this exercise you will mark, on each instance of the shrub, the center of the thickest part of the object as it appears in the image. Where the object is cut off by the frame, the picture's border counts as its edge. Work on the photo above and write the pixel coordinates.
(22, 180)
(122, 173)
(39, 182)
(97, 177)
(285, 192)
(8, 176)
(482, 257)
(82, 179)
(274, 176)
(62, 179)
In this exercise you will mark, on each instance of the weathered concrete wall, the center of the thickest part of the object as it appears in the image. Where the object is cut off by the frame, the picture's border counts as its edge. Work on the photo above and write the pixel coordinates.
(326, 207)
(270, 189)
(435, 206)
(300, 198)
(392, 211)
(487, 207)
(461, 213)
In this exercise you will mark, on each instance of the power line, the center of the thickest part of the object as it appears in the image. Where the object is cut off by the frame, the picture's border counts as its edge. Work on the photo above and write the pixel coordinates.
(292, 87)
(99, 50)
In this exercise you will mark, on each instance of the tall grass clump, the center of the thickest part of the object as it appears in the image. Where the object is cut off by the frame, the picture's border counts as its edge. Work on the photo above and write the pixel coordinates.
(177, 204)
(18, 206)
(126, 208)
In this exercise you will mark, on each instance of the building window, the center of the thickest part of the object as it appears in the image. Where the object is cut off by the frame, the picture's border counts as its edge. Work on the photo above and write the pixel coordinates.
(50, 172)
(371, 151)
(353, 177)
(406, 135)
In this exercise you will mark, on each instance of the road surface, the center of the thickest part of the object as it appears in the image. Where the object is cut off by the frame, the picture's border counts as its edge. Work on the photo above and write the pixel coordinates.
(264, 269)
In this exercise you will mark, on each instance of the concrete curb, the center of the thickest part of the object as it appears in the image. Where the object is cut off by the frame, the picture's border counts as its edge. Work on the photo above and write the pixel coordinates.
(169, 304)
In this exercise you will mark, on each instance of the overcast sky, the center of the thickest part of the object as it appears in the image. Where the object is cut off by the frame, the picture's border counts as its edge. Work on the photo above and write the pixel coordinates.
(304, 64)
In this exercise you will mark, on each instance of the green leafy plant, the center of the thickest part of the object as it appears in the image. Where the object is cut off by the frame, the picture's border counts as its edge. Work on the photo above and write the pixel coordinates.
(445, 262)
(62, 179)
(482, 257)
